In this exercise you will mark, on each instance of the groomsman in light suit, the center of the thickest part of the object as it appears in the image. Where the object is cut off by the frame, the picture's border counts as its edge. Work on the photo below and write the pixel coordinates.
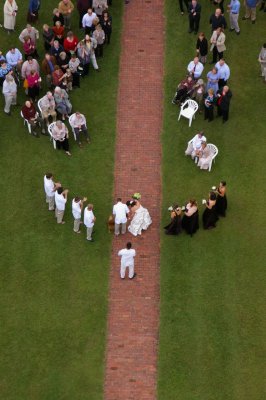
(120, 212)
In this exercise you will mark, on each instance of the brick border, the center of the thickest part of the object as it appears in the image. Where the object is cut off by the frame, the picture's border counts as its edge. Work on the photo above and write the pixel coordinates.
(133, 318)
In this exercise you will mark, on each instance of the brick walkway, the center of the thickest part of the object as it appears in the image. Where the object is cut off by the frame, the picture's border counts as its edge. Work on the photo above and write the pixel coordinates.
(133, 321)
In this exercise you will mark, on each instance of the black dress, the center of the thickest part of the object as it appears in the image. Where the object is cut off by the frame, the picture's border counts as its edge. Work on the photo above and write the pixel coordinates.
(191, 224)
(210, 217)
(175, 226)
(221, 205)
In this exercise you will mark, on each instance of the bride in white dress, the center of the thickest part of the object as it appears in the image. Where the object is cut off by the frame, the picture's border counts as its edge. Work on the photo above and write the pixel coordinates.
(141, 218)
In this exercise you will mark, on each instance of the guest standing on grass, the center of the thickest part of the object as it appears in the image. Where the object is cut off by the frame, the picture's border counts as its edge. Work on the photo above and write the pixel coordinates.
(224, 72)
(234, 8)
(33, 11)
(66, 8)
(120, 213)
(106, 23)
(210, 216)
(89, 221)
(224, 96)
(181, 5)
(217, 45)
(10, 13)
(221, 199)
(209, 105)
(77, 206)
(10, 93)
(202, 48)
(217, 20)
(60, 204)
(195, 68)
(250, 10)
(194, 10)
(127, 261)
(49, 188)
(262, 61)
(82, 6)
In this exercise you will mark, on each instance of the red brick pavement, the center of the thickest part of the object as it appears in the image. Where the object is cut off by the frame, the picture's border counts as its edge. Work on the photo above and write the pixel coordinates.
(133, 320)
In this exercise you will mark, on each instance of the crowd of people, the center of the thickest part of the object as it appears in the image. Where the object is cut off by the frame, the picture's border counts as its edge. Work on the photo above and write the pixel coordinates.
(186, 218)
(67, 58)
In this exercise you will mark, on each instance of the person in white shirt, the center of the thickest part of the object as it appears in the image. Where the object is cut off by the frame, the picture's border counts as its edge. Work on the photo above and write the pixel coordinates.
(195, 68)
(120, 212)
(50, 187)
(77, 206)
(78, 123)
(127, 260)
(14, 58)
(60, 204)
(10, 93)
(195, 144)
(89, 221)
(87, 21)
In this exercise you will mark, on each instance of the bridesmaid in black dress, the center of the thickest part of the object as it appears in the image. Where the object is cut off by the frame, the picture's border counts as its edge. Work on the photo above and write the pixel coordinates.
(221, 201)
(175, 227)
(190, 220)
(210, 216)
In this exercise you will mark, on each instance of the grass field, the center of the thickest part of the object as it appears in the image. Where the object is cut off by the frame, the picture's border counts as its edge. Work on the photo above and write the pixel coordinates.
(53, 297)
(212, 334)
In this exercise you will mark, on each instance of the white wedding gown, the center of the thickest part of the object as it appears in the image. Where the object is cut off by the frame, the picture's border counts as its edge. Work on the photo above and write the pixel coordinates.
(141, 220)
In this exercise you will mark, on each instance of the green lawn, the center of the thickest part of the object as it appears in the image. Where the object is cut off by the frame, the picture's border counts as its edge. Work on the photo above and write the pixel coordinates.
(212, 332)
(54, 284)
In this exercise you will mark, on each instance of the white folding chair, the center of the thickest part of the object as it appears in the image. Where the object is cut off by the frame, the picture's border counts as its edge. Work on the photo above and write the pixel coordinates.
(188, 110)
(26, 122)
(214, 152)
(50, 127)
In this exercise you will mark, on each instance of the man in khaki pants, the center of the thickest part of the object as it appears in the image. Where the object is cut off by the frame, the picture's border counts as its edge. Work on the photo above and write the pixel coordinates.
(60, 204)
(120, 212)
(77, 206)
(89, 220)
(50, 187)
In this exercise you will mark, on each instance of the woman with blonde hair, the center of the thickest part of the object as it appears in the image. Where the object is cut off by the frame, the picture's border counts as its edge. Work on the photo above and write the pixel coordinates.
(209, 104)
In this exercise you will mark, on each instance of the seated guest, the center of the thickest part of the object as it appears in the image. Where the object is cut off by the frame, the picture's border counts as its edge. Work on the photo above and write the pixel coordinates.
(30, 114)
(74, 66)
(210, 216)
(48, 66)
(221, 199)
(57, 16)
(78, 122)
(60, 135)
(183, 89)
(70, 43)
(33, 85)
(48, 37)
(62, 103)
(14, 58)
(48, 107)
(195, 144)
(63, 61)
(195, 68)
(209, 105)
(28, 66)
(190, 220)
(56, 49)
(29, 48)
(175, 226)
(5, 69)
(57, 76)
(59, 32)
(204, 156)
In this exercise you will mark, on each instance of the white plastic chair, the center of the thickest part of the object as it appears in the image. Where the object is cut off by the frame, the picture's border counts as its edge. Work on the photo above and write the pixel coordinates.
(71, 125)
(214, 151)
(40, 106)
(26, 122)
(188, 110)
(50, 127)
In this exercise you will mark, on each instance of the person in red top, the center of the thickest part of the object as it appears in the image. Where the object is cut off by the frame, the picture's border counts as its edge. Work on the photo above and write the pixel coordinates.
(29, 113)
(70, 43)
(57, 76)
(59, 32)
(29, 48)
(33, 84)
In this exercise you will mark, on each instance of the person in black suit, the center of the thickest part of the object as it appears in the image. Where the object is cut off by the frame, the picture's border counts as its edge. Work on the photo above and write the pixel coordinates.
(224, 96)
(194, 10)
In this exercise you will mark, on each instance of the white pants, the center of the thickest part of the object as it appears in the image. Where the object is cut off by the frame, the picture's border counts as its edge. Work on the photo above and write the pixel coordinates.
(94, 61)
(9, 100)
(130, 271)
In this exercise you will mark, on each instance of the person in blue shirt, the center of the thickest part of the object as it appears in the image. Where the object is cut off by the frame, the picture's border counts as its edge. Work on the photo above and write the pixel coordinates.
(33, 9)
(250, 6)
(234, 8)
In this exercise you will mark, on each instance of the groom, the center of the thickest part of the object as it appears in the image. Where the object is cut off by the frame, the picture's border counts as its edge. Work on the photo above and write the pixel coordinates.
(120, 212)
